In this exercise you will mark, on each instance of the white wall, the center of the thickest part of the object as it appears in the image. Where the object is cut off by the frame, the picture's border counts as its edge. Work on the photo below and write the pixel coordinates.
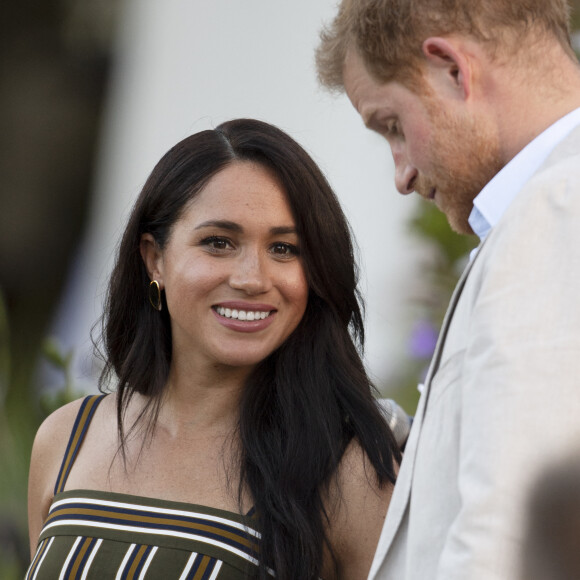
(184, 66)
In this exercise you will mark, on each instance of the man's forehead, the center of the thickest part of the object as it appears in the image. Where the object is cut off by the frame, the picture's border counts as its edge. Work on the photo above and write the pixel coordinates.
(367, 95)
(354, 68)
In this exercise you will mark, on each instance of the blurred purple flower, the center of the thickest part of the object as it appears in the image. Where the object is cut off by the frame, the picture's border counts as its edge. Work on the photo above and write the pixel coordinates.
(423, 339)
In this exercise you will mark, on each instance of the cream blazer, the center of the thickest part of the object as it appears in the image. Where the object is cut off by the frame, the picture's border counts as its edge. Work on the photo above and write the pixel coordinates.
(502, 395)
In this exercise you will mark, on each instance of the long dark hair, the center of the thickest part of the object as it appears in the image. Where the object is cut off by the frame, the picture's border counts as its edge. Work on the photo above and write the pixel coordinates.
(309, 399)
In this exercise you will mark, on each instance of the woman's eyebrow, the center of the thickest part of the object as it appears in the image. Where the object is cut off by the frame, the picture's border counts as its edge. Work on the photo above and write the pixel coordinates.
(222, 224)
(283, 230)
(235, 227)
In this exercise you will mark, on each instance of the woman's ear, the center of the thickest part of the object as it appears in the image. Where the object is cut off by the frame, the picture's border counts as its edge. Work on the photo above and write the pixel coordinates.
(152, 258)
(449, 66)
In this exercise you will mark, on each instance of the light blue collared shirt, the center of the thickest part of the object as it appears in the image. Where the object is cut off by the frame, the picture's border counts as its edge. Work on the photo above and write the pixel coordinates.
(494, 199)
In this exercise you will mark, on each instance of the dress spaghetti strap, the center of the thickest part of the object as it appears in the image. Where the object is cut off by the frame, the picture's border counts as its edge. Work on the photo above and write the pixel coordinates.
(79, 430)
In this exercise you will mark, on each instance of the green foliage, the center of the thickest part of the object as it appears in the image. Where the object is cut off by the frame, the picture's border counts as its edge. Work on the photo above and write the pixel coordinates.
(50, 401)
(575, 18)
(431, 224)
(20, 416)
(13, 467)
(450, 253)
(4, 351)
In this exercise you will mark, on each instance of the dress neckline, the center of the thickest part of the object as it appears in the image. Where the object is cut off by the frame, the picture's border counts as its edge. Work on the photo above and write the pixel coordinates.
(147, 501)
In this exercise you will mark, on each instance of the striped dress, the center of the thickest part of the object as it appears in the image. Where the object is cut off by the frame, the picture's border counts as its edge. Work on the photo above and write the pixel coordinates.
(96, 535)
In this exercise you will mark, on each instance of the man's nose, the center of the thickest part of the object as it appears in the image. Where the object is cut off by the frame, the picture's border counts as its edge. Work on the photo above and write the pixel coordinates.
(405, 173)
(250, 273)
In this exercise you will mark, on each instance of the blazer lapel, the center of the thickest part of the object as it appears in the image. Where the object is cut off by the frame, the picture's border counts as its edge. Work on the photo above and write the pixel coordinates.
(401, 492)
(436, 358)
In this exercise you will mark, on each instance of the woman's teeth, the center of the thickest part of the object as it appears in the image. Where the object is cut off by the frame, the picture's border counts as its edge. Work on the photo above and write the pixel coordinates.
(241, 314)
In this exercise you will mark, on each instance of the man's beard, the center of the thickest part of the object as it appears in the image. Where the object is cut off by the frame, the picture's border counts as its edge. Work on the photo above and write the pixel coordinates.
(465, 156)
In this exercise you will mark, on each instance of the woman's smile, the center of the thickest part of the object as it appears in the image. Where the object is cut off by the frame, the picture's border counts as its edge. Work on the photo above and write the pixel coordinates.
(242, 317)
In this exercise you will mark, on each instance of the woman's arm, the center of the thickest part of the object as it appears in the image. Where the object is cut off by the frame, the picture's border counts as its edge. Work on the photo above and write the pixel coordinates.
(357, 510)
(47, 454)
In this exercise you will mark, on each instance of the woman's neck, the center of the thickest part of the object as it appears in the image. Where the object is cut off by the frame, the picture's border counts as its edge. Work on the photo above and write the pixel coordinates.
(207, 400)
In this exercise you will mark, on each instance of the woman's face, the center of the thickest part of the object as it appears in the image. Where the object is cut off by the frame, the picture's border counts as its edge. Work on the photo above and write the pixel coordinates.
(231, 270)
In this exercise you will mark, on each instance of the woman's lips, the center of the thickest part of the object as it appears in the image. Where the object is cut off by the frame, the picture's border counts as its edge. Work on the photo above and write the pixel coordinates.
(242, 314)
(244, 317)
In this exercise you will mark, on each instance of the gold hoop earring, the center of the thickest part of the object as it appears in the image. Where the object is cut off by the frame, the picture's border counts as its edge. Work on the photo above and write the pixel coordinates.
(155, 295)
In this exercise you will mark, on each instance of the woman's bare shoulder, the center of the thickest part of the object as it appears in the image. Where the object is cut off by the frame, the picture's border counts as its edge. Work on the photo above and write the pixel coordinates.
(55, 430)
(54, 433)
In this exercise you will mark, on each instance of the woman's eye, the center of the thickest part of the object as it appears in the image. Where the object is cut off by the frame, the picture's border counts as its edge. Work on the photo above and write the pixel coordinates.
(284, 249)
(216, 243)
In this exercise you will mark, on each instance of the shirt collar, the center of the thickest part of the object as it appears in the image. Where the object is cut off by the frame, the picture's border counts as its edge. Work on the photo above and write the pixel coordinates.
(494, 199)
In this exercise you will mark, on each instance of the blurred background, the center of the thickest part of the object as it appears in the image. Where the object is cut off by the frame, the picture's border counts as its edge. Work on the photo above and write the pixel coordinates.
(92, 94)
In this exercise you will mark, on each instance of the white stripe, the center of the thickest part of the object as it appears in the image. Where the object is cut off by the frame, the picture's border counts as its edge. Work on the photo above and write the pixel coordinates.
(147, 563)
(156, 532)
(188, 566)
(41, 559)
(70, 555)
(216, 570)
(124, 562)
(91, 558)
(155, 510)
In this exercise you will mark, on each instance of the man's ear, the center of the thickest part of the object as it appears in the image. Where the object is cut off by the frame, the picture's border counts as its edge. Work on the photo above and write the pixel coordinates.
(449, 64)
(152, 258)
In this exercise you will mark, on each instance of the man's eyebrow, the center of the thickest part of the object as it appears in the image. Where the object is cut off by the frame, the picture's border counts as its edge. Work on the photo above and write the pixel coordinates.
(221, 224)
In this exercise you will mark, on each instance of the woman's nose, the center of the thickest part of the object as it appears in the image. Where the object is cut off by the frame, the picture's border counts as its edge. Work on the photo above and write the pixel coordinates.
(250, 274)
